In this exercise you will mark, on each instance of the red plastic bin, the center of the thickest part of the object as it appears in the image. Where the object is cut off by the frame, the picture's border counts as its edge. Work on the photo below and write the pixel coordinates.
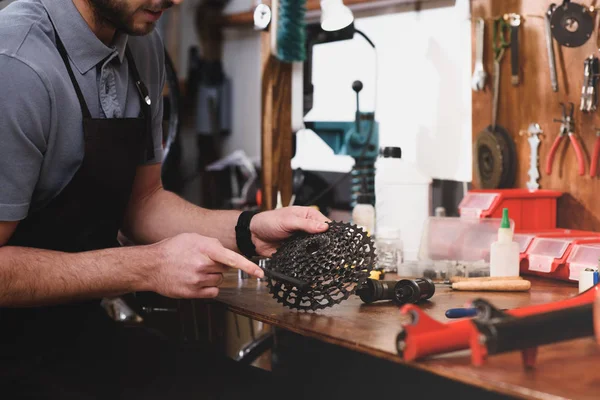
(531, 210)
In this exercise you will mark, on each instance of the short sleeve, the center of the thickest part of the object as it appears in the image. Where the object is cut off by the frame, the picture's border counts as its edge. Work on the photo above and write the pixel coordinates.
(25, 119)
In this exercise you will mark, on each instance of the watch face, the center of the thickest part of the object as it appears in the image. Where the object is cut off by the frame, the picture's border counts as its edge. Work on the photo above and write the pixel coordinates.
(262, 16)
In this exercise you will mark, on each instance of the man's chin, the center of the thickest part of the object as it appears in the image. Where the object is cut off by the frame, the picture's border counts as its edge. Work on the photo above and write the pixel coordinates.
(140, 30)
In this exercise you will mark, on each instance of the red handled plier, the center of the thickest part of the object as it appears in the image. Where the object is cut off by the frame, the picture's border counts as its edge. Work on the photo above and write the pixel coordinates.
(566, 128)
(594, 166)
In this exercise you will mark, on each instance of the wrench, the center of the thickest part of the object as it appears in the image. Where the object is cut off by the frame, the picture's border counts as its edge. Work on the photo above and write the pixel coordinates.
(550, 48)
(479, 74)
(496, 88)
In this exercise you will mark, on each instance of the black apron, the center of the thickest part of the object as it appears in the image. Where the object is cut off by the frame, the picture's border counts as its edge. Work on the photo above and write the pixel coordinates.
(75, 351)
(86, 215)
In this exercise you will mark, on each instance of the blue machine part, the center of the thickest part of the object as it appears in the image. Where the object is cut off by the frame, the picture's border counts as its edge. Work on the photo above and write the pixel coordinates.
(345, 139)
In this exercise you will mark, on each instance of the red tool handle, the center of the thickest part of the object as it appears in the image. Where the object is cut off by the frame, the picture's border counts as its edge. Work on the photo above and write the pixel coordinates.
(578, 154)
(594, 166)
(550, 159)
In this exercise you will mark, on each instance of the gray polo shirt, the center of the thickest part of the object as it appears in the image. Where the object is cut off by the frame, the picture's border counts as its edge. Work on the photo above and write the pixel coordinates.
(41, 134)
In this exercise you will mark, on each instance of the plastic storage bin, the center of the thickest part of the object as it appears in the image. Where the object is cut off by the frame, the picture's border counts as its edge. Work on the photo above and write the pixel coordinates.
(582, 256)
(547, 255)
(530, 209)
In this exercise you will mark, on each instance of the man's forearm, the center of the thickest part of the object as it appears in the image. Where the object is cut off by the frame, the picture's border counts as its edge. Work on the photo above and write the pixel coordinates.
(164, 214)
(35, 277)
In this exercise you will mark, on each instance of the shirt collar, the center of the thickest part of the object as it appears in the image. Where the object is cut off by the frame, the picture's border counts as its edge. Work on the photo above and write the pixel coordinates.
(82, 45)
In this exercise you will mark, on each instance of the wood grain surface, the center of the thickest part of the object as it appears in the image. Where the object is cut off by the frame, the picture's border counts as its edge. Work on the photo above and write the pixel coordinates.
(534, 101)
(565, 370)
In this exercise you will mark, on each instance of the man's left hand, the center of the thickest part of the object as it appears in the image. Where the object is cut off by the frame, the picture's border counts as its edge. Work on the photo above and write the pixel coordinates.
(269, 228)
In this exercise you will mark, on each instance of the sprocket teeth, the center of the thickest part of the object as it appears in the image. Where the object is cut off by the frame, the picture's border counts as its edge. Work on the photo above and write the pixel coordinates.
(327, 261)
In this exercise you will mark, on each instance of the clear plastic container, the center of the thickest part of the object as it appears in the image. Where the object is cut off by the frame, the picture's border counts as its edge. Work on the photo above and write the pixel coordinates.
(389, 249)
(583, 256)
(544, 251)
(459, 239)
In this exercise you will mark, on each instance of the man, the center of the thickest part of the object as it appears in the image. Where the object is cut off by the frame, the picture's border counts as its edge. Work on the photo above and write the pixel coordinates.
(80, 127)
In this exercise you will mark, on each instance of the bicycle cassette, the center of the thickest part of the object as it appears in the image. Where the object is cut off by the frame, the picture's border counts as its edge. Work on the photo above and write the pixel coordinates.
(316, 271)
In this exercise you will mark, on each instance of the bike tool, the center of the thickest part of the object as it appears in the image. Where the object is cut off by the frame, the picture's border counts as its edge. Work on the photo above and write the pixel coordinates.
(495, 154)
(400, 292)
(589, 95)
(595, 155)
(572, 24)
(515, 22)
(567, 127)
(550, 47)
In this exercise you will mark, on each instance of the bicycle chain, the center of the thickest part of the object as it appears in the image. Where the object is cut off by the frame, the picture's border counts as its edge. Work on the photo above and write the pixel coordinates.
(334, 264)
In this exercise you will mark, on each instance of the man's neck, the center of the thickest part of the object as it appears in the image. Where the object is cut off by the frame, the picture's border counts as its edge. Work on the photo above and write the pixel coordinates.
(103, 30)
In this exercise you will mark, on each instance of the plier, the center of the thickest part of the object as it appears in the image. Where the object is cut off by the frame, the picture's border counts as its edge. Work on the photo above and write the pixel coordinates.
(566, 128)
(594, 166)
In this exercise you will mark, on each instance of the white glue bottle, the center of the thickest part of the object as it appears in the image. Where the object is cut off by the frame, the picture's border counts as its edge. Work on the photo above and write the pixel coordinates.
(504, 255)
(363, 214)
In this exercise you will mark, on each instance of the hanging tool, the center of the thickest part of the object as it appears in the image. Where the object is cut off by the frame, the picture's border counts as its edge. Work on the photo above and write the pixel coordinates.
(534, 131)
(589, 97)
(498, 332)
(595, 155)
(424, 336)
(550, 48)
(572, 24)
(515, 22)
(495, 155)
(479, 74)
(567, 127)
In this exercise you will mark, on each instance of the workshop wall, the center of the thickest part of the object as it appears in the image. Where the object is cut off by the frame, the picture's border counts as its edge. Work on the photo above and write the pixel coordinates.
(534, 101)
(423, 98)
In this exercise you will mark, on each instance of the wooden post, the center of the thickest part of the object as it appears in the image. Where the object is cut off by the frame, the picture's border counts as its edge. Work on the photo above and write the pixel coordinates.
(276, 129)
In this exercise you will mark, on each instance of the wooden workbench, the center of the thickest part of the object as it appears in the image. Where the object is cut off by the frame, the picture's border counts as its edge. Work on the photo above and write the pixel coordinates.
(566, 370)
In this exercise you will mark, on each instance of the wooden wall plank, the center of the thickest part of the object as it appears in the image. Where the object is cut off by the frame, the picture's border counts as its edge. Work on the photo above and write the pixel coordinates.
(534, 101)
(276, 130)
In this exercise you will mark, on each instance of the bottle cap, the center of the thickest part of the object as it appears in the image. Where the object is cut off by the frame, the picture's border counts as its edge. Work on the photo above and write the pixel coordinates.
(364, 199)
(391, 152)
(505, 221)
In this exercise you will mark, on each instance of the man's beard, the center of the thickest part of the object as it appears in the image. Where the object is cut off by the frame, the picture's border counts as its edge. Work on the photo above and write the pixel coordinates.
(117, 14)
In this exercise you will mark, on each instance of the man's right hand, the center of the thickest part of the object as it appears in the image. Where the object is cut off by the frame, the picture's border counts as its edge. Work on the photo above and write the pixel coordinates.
(192, 266)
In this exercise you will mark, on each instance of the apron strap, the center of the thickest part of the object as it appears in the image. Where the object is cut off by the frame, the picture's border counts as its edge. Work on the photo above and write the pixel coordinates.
(63, 53)
(145, 102)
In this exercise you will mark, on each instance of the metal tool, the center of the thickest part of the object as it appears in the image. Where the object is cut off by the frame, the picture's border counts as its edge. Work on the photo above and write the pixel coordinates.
(479, 74)
(567, 127)
(500, 45)
(550, 48)
(498, 332)
(589, 96)
(413, 291)
(424, 336)
(572, 24)
(534, 131)
(515, 22)
(375, 290)
(311, 272)
(495, 155)
(595, 155)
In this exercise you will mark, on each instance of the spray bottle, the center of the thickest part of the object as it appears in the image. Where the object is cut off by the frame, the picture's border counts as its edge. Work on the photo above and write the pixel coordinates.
(504, 255)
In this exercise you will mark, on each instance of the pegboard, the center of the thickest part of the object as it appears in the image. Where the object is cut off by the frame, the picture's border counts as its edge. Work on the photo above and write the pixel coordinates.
(533, 100)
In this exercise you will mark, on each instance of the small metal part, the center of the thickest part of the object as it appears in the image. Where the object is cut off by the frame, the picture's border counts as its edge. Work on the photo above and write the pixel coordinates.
(413, 291)
(332, 264)
(374, 290)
